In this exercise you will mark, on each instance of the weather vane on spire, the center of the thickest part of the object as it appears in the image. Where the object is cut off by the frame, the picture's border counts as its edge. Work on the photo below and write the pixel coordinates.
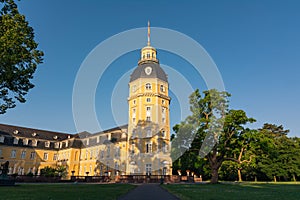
(148, 33)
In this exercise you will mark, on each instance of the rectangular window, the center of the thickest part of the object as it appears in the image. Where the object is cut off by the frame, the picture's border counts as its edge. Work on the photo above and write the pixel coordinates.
(148, 119)
(32, 155)
(101, 170)
(148, 169)
(91, 154)
(56, 145)
(163, 102)
(148, 108)
(116, 166)
(149, 133)
(23, 154)
(164, 172)
(164, 147)
(148, 100)
(132, 148)
(108, 151)
(133, 120)
(117, 154)
(13, 153)
(86, 154)
(45, 156)
(55, 156)
(149, 148)
(162, 88)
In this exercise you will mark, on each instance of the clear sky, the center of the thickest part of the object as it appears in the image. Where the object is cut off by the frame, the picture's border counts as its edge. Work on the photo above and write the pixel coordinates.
(255, 45)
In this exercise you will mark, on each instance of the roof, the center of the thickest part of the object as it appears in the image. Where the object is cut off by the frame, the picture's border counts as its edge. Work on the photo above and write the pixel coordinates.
(18, 131)
(157, 72)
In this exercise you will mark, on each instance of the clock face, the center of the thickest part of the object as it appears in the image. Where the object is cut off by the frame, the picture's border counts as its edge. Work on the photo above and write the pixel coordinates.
(148, 70)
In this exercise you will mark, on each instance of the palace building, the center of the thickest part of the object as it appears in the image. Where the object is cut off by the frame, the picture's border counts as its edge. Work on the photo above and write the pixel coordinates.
(139, 148)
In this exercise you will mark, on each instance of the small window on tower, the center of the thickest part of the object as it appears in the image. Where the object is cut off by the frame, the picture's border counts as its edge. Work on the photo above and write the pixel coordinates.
(148, 119)
(148, 108)
(148, 55)
(148, 86)
(148, 100)
(163, 101)
(162, 88)
(134, 102)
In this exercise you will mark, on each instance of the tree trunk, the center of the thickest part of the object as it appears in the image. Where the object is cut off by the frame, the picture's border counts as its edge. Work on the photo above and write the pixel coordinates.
(214, 175)
(275, 179)
(294, 177)
(240, 175)
(255, 178)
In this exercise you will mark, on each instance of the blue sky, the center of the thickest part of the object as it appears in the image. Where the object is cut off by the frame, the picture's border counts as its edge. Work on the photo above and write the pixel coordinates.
(255, 45)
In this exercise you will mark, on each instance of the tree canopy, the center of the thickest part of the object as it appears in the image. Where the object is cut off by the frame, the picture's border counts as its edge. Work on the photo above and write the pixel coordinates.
(19, 56)
(215, 140)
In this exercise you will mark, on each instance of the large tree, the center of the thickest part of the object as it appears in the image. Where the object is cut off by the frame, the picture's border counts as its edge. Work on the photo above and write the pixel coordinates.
(281, 158)
(19, 56)
(215, 131)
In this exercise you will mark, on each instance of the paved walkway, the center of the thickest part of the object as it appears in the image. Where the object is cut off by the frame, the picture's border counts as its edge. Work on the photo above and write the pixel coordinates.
(148, 192)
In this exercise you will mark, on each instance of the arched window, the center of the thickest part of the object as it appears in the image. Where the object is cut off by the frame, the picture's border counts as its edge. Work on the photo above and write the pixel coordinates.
(148, 86)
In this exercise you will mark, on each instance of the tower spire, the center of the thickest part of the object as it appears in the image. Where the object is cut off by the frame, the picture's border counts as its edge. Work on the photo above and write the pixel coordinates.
(148, 44)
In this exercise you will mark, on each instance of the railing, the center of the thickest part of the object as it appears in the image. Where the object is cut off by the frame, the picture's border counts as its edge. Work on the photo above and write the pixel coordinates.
(134, 179)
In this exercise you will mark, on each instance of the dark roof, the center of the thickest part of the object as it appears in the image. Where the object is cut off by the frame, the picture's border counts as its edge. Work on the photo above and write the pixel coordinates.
(28, 133)
(157, 72)
(118, 128)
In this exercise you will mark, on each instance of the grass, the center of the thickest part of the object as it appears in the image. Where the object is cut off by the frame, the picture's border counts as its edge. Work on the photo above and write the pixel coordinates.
(64, 191)
(236, 191)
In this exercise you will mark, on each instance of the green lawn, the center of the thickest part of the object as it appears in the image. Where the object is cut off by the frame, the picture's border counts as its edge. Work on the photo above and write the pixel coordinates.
(64, 191)
(235, 191)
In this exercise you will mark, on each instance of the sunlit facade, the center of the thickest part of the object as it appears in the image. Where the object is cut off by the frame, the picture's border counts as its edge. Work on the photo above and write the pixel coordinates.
(141, 147)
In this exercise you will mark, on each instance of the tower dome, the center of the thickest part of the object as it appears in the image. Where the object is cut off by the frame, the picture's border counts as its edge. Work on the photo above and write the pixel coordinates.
(148, 65)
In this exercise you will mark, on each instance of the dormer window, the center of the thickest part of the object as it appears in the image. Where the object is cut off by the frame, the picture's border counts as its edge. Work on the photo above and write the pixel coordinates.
(2, 138)
(34, 134)
(47, 144)
(34, 143)
(55, 137)
(56, 145)
(16, 140)
(148, 55)
(25, 141)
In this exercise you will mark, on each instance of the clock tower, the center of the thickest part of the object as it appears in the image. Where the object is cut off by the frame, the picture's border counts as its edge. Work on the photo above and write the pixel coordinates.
(148, 122)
